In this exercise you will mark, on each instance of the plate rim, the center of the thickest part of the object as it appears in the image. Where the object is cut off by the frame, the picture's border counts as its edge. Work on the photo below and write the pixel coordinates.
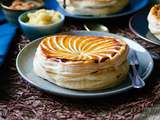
(138, 34)
(60, 9)
(92, 95)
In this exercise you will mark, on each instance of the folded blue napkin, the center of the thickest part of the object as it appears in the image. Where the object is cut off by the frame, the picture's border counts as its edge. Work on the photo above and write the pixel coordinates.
(7, 32)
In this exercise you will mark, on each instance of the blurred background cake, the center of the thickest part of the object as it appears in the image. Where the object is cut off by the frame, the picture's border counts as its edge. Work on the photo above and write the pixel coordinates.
(93, 7)
(154, 20)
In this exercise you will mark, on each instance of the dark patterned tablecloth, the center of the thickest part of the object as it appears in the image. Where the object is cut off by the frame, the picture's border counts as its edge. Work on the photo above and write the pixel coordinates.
(21, 101)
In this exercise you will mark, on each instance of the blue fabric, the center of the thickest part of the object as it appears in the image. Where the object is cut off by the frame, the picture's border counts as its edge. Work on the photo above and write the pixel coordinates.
(7, 32)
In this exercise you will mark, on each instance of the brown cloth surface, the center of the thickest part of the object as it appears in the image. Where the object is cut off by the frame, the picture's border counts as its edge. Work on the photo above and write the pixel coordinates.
(19, 100)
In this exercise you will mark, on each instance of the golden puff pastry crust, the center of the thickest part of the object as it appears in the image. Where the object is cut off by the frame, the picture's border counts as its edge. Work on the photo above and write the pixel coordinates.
(94, 7)
(82, 62)
(154, 21)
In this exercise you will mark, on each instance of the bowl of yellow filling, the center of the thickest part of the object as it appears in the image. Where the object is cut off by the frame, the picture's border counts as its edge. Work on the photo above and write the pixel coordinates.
(39, 23)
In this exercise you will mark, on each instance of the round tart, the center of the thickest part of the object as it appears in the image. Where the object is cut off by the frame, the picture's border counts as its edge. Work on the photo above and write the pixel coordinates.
(82, 62)
(154, 20)
(93, 7)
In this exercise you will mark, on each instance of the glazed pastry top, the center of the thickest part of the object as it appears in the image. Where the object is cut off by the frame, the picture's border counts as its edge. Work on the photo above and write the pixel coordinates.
(66, 48)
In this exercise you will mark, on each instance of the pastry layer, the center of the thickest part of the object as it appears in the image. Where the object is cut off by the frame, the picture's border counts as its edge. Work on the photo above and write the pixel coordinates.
(93, 7)
(82, 62)
(83, 49)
